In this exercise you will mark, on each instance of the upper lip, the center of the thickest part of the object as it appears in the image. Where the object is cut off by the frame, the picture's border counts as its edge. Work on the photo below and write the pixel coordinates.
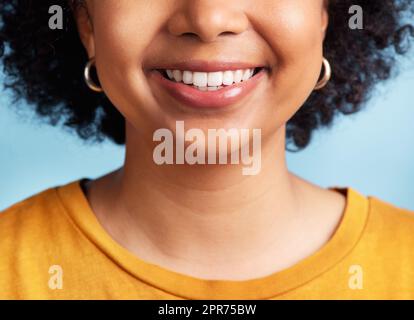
(207, 66)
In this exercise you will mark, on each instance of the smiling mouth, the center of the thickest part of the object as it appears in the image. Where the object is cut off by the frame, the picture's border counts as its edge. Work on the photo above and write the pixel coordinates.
(210, 81)
(207, 84)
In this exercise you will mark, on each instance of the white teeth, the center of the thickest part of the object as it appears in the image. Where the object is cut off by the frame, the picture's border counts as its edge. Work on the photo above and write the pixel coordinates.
(210, 81)
(215, 79)
(247, 75)
(188, 77)
(178, 75)
(200, 79)
(228, 78)
(208, 88)
(238, 76)
(170, 74)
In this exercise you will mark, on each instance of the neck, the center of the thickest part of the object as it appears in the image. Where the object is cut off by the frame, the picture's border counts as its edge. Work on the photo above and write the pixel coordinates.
(210, 215)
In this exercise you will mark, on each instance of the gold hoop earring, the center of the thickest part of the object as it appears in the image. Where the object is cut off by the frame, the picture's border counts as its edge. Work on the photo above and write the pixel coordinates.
(327, 75)
(87, 74)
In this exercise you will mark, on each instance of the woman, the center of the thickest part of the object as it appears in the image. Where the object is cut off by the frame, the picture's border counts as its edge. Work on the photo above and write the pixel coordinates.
(192, 229)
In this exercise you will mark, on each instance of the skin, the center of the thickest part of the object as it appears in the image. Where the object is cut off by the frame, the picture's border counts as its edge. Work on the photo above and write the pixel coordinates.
(210, 222)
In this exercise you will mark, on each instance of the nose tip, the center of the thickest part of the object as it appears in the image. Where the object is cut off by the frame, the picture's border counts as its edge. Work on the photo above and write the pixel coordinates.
(208, 20)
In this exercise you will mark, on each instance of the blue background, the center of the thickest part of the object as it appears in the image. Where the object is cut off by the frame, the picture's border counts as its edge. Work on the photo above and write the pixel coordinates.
(372, 151)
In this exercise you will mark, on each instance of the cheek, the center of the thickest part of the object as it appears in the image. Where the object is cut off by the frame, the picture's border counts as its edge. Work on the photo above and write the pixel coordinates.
(293, 32)
(122, 35)
(293, 29)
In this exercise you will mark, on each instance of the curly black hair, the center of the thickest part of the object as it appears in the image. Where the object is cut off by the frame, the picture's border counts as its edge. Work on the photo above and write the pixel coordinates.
(45, 66)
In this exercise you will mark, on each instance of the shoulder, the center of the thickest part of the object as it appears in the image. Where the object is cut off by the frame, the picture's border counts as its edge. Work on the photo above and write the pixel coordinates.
(388, 232)
(390, 218)
(33, 226)
(28, 213)
(34, 233)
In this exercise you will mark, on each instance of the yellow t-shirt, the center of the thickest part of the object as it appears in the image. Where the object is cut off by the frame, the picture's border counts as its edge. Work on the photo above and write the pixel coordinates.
(53, 247)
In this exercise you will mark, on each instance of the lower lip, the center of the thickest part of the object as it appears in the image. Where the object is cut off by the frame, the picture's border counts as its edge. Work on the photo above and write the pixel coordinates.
(221, 98)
